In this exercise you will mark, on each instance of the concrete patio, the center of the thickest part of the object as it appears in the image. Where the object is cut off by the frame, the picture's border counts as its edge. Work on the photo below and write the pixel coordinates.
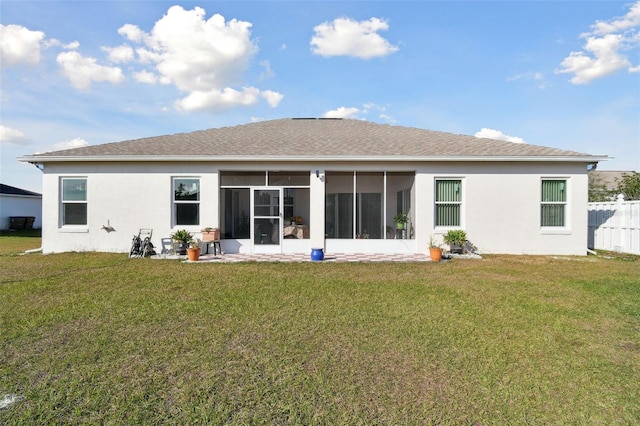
(329, 257)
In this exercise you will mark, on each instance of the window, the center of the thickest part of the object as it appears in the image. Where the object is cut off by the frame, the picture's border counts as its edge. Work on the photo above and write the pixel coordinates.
(74, 201)
(289, 178)
(448, 202)
(363, 204)
(369, 207)
(553, 203)
(398, 201)
(369, 215)
(403, 201)
(235, 205)
(186, 200)
(242, 178)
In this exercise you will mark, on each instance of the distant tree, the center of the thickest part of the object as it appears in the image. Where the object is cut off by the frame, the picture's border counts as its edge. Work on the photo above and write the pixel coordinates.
(598, 189)
(629, 186)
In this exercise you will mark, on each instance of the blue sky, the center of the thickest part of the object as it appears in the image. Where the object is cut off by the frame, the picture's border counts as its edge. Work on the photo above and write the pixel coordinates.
(559, 74)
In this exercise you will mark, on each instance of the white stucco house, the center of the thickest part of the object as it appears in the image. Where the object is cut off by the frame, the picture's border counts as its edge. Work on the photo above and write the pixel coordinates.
(342, 181)
(25, 207)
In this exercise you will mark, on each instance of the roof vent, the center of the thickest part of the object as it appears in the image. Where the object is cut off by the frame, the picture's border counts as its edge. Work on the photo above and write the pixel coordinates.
(315, 118)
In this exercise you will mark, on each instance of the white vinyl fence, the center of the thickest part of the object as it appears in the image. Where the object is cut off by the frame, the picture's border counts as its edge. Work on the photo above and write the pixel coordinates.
(615, 226)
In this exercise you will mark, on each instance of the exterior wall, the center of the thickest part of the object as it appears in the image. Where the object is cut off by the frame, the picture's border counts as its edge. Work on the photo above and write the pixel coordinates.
(19, 205)
(122, 199)
(500, 207)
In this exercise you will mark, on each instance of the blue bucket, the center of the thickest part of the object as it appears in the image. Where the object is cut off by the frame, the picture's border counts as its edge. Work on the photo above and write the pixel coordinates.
(317, 254)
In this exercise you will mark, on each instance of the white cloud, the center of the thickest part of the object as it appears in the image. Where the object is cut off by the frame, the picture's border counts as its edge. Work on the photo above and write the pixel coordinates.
(120, 54)
(346, 37)
(388, 118)
(629, 21)
(12, 136)
(19, 45)
(267, 70)
(203, 57)
(52, 42)
(381, 110)
(82, 71)
(219, 100)
(536, 77)
(73, 143)
(132, 32)
(498, 135)
(272, 98)
(342, 112)
(602, 53)
(145, 77)
(606, 59)
(359, 113)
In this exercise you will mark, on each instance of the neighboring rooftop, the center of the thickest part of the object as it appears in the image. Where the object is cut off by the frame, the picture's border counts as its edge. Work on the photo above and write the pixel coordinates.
(609, 178)
(311, 139)
(12, 190)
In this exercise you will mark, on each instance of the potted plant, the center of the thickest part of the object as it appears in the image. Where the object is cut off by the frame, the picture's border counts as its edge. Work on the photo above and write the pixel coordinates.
(181, 238)
(456, 238)
(401, 219)
(435, 252)
(210, 234)
(193, 252)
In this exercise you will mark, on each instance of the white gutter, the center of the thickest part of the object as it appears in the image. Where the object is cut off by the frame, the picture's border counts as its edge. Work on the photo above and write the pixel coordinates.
(273, 158)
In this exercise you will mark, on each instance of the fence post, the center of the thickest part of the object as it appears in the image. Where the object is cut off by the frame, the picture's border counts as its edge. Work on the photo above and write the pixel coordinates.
(622, 214)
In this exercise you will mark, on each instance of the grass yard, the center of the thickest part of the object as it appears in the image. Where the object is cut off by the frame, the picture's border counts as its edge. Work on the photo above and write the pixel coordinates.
(99, 338)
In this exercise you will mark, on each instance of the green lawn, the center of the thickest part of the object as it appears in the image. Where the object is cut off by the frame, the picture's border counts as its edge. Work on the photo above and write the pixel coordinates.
(102, 339)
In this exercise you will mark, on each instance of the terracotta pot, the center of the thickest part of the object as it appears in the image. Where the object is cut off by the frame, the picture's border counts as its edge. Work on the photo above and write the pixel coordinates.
(193, 254)
(213, 235)
(435, 254)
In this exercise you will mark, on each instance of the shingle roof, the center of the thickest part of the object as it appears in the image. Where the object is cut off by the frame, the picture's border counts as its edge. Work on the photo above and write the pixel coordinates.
(609, 178)
(12, 190)
(290, 139)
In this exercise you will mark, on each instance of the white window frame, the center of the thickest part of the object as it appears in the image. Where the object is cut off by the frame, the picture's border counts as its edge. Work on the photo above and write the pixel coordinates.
(461, 203)
(175, 203)
(73, 227)
(566, 228)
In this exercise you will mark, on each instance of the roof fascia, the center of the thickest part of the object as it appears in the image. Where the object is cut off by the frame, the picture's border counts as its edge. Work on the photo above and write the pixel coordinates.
(270, 158)
(3, 194)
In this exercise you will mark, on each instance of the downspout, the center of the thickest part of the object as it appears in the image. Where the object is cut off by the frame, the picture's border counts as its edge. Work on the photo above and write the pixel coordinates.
(39, 249)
